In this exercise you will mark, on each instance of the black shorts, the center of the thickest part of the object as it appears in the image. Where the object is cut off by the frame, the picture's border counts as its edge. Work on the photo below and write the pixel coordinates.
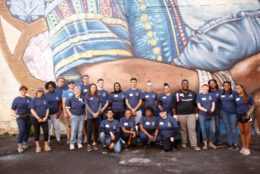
(241, 118)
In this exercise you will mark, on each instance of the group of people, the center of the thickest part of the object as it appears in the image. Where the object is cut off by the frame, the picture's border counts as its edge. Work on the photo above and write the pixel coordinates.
(123, 119)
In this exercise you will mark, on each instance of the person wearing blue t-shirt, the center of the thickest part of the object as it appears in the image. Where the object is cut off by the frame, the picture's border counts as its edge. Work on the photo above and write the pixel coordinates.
(76, 109)
(127, 125)
(228, 112)
(61, 86)
(134, 100)
(110, 133)
(150, 98)
(66, 95)
(40, 111)
(103, 96)
(214, 89)
(245, 105)
(117, 101)
(93, 109)
(206, 106)
(54, 101)
(167, 126)
(148, 128)
(20, 110)
(165, 100)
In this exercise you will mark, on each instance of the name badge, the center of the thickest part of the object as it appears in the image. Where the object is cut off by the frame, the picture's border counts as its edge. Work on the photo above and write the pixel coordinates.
(137, 94)
(125, 124)
(107, 126)
(44, 102)
(231, 96)
(116, 95)
(237, 99)
(80, 99)
(164, 97)
(85, 90)
(28, 101)
(57, 98)
(161, 123)
(131, 95)
(181, 94)
(70, 94)
(223, 96)
(147, 123)
(204, 99)
(147, 96)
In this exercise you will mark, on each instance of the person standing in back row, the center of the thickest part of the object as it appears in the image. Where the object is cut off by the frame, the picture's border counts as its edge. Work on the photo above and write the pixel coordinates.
(165, 100)
(150, 98)
(134, 100)
(103, 96)
(186, 112)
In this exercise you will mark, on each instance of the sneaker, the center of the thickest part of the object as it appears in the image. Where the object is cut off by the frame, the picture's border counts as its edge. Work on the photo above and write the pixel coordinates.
(219, 145)
(25, 146)
(242, 150)
(229, 147)
(80, 146)
(72, 146)
(20, 148)
(105, 151)
(89, 148)
(211, 145)
(94, 143)
(38, 149)
(246, 152)
(47, 148)
(95, 147)
(205, 147)
(184, 146)
(196, 148)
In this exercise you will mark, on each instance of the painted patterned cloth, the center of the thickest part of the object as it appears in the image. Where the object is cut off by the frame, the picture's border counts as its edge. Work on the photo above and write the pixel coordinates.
(86, 31)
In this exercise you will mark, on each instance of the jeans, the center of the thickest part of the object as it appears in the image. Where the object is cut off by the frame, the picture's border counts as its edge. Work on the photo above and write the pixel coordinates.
(24, 126)
(217, 115)
(37, 131)
(56, 124)
(230, 121)
(103, 137)
(76, 129)
(212, 128)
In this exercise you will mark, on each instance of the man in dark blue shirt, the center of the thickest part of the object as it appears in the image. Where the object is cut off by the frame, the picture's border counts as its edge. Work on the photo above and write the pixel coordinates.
(134, 100)
(103, 96)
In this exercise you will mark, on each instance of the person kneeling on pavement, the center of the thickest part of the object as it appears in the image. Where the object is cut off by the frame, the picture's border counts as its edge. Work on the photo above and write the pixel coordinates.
(127, 125)
(110, 133)
(149, 128)
(168, 128)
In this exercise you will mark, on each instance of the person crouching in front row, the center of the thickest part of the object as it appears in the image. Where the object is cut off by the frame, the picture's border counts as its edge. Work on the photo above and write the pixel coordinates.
(109, 135)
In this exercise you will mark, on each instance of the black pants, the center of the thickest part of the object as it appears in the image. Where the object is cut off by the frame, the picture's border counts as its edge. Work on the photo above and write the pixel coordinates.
(92, 127)
(118, 115)
(126, 136)
(37, 129)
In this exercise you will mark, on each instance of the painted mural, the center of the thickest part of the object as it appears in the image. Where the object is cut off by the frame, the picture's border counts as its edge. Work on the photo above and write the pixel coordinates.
(158, 40)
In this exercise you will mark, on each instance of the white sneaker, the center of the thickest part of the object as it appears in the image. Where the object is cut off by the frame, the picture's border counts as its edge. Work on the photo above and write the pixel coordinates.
(25, 146)
(184, 146)
(246, 152)
(72, 146)
(80, 146)
(20, 148)
(94, 143)
(242, 150)
(211, 145)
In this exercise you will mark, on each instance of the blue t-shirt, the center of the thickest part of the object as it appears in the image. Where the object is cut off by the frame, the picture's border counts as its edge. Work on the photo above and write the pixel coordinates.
(76, 106)
(150, 99)
(21, 105)
(166, 126)
(84, 89)
(127, 123)
(117, 101)
(110, 126)
(133, 96)
(103, 96)
(217, 93)
(206, 101)
(59, 90)
(228, 102)
(40, 106)
(243, 107)
(54, 101)
(93, 103)
(166, 102)
(67, 94)
(149, 124)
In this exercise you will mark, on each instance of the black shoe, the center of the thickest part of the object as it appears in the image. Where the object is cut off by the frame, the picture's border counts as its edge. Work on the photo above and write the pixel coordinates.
(235, 148)
(59, 142)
